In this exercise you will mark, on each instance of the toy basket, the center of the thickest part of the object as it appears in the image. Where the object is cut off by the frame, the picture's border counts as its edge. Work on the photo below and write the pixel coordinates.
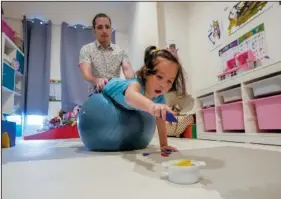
(176, 129)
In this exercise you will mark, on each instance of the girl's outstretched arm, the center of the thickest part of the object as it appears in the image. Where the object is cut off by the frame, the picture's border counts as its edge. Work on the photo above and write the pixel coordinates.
(162, 132)
(135, 99)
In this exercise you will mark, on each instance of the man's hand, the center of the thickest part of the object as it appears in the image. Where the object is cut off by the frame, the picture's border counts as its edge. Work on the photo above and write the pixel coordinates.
(100, 83)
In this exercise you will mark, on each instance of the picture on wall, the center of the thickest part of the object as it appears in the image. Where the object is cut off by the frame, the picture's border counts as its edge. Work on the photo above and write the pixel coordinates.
(239, 14)
(215, 34)
(252, 40)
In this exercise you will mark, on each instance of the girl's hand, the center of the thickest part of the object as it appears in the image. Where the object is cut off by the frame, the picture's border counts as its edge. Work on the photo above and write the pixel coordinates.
(169, 148)
(160, 110)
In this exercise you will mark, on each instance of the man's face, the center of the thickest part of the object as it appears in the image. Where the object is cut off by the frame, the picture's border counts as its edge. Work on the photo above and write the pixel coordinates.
(103, 30)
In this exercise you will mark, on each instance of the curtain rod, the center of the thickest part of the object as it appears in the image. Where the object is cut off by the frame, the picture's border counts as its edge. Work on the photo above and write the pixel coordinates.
(56, 24)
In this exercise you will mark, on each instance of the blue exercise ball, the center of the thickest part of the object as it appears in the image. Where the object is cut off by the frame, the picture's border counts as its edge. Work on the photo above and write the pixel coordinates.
(104, 125)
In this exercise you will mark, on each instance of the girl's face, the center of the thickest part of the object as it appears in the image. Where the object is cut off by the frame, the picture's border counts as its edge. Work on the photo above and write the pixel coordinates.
(162, 81)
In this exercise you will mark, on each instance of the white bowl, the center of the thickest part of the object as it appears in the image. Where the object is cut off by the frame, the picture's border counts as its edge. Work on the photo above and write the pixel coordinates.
(183, 174)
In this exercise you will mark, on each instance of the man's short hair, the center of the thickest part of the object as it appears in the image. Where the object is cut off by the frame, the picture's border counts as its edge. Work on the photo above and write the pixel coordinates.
(99, 16)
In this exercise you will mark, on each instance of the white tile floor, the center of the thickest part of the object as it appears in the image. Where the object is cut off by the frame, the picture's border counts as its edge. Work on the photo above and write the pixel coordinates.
(99, 176)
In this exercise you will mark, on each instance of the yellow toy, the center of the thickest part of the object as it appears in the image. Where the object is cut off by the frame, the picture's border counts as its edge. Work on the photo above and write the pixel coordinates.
(183, 163)
(5, 140)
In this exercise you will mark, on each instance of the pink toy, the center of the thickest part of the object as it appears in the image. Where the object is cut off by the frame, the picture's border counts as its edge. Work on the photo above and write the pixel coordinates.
(230, 64)
(240, 61)
(268, 111)
(246, 60)
(73, 114)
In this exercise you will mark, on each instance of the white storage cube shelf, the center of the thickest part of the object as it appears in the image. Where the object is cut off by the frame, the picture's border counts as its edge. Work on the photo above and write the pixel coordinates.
(267, 86)
(231, 95)
(208, 101)
(12, 79)
(259, 82)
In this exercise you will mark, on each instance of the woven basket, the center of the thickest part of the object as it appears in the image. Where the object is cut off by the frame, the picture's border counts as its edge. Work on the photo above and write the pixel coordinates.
(176, 129)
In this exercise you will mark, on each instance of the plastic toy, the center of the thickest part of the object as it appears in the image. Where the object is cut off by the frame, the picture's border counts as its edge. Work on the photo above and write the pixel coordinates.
(5, 142)
(183, 163)
(164, 154)
(239, 63)
(170, 117)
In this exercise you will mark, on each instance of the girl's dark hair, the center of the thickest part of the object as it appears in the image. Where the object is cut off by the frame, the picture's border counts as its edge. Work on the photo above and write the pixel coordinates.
(150, 56)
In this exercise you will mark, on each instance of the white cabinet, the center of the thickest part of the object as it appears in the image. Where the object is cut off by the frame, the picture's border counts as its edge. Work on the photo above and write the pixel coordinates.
(245, 88)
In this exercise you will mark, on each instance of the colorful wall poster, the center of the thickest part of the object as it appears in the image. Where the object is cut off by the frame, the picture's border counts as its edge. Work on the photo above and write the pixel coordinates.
(237, 14)
(215, 34)
(252, 40)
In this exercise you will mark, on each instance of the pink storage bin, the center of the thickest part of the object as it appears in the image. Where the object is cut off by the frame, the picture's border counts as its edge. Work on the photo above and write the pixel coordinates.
(209, 118)
(8, 30)
(268, 111)
(232, 116)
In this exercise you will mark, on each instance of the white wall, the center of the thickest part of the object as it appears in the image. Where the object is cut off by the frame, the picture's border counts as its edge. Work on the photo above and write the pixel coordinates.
(143, 31)
(172, 18)
(82, 13)
(71, 12)
(205, 65)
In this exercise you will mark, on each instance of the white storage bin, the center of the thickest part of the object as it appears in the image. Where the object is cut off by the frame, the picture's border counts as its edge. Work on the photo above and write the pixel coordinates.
(267, 86)
(208, 101)
(231, 95)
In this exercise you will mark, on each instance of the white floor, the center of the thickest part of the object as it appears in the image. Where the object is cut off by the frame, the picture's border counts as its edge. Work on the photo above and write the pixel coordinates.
(100, 176)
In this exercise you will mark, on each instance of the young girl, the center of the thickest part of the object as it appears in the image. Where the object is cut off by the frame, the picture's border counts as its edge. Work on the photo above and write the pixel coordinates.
(160, 74)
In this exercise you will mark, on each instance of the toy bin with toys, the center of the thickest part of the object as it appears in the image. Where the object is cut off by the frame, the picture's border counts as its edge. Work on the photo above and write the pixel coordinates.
(232, 116)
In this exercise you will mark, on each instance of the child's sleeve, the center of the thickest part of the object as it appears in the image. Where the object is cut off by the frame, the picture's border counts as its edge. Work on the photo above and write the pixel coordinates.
(116, 88)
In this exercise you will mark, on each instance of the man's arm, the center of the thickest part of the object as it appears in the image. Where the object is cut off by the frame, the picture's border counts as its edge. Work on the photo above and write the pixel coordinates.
(86, 71)
(126, 67)
(85, 65)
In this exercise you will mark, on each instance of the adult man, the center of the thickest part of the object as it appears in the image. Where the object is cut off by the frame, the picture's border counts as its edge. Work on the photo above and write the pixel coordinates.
(101, 60)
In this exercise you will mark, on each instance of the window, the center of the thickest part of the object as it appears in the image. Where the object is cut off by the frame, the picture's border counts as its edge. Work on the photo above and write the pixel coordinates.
(35, 120)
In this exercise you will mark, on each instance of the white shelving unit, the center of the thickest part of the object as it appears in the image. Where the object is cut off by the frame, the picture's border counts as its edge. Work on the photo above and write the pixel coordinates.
(239, 85)
(12, 79)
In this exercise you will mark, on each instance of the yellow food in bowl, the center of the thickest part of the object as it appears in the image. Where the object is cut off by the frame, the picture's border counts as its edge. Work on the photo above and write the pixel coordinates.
(183, 163)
